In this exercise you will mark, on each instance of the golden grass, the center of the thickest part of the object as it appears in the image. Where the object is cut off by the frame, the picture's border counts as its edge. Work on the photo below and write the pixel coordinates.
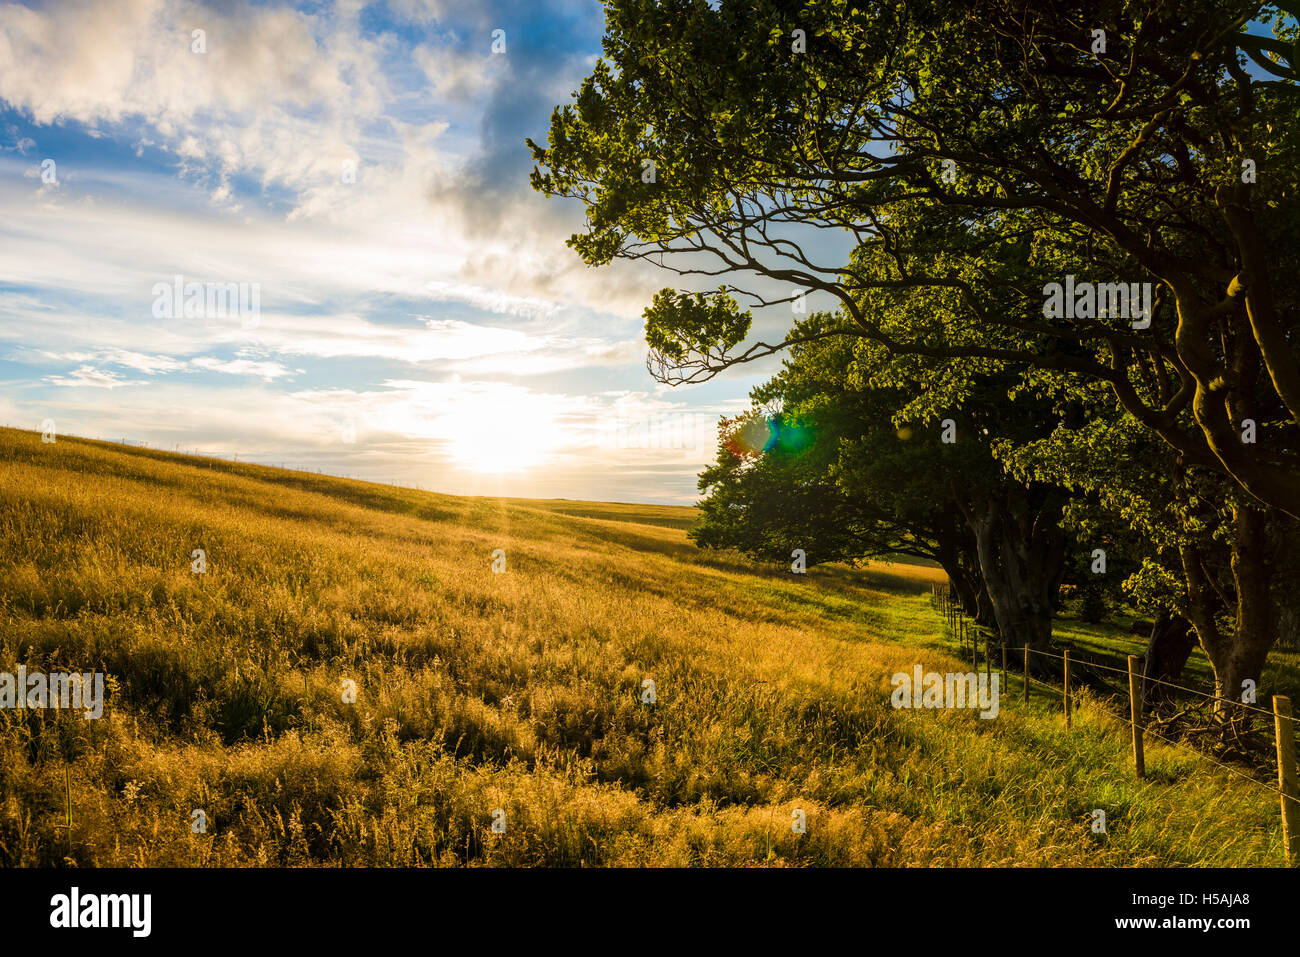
(518, 691)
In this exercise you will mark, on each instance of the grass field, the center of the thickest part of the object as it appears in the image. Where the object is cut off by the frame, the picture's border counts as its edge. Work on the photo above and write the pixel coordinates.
(517, 692)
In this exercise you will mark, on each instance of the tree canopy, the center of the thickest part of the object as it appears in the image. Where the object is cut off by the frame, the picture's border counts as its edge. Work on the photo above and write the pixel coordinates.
(1087, 210)
(942, 138)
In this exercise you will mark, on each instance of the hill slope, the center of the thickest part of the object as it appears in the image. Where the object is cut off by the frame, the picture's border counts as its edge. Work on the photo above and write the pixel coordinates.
(517, 692)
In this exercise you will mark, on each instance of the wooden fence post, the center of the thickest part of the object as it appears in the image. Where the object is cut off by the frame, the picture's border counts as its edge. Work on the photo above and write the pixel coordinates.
(1004, 666)
(988, 657)
(1284, 730)
(67, 826)
(1066, 690)
(1135, 715)
(1026, 674)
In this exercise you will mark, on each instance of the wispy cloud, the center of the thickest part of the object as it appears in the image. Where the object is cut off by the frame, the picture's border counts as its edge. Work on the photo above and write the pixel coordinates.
(92, 378)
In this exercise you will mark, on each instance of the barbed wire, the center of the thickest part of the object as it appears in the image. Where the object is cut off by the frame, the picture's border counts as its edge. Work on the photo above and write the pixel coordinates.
(1201, 754)
(1159, 681)
(1195, 752)
(1168, 684)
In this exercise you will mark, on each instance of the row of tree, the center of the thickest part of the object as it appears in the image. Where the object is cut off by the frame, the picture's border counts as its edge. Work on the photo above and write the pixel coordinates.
(1001, 170)
(1016, 492)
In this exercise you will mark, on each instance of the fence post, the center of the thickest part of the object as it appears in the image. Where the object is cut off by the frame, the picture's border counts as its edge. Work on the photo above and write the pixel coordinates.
(1066, 690)
(1284, 730)
(988, 657)
(1135, 715)
(1026, 674)
(1004, 666)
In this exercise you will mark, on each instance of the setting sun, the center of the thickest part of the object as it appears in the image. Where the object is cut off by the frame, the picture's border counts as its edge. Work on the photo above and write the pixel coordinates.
(500, 433)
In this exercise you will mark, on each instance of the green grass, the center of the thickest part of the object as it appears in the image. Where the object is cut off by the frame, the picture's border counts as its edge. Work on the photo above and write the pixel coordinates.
(517, 691)
(1111, 644)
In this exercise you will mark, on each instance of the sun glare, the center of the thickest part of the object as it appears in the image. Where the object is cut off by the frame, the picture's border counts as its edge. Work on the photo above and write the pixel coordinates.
(492, 434)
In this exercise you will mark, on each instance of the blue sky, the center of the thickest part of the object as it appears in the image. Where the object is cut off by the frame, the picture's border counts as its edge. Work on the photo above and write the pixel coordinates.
(362, 167)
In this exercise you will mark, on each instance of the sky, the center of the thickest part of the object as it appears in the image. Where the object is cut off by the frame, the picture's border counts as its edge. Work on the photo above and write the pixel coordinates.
(351, 181)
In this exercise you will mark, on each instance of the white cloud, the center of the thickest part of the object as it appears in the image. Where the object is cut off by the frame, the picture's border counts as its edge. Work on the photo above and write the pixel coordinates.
(148, 364)
(249, 367)
(455, 77)
(140, 362)
(493, 300)
(239, 105)
(92, 378)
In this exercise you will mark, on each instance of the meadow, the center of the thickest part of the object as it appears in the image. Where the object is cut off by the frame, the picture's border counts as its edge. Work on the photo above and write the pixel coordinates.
(517, 696)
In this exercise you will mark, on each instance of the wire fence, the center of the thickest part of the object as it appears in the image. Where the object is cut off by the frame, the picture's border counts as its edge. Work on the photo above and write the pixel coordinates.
(1285, 741)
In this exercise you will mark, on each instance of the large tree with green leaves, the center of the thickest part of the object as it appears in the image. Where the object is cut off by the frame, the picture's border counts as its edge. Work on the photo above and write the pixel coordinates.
(724, 140)
(970, 155)
(818, 466)
(847, 469)
(1189, 545)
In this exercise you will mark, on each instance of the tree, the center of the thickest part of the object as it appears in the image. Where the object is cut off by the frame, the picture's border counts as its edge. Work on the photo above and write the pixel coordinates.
(863, 475)
(974, 155)
(819, 467)
(719, 141)
(1195, 548)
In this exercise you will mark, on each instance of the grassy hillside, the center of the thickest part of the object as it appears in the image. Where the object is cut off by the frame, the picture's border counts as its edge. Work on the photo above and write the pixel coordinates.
(517, 691)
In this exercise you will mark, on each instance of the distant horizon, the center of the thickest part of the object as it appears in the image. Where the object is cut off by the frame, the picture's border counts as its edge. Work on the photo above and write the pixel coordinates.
(124, 442)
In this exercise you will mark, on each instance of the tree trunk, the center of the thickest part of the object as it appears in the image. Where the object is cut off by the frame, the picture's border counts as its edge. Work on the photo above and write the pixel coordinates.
(1022, 557)
(956, 553)
(964, 589)
(985, 616)
(1239, 657)
(1171, 643)
(983, 612)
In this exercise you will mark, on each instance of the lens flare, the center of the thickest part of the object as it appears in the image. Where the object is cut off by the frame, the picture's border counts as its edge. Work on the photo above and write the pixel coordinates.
(765, 435)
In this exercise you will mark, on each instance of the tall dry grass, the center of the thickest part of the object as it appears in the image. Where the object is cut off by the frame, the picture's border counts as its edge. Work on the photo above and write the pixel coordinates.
(519, 692)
